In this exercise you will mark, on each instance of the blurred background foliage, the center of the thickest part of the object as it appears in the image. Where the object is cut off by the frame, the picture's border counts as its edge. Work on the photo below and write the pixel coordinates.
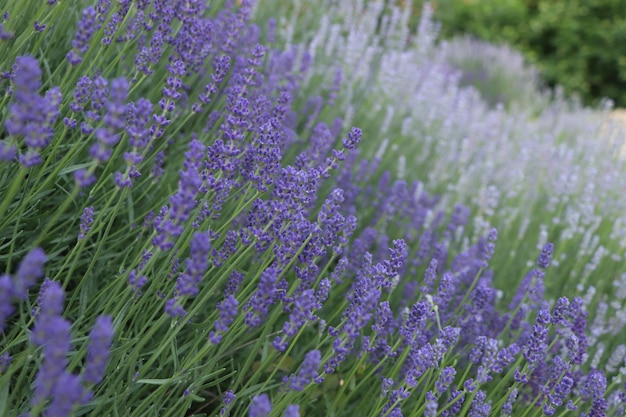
(578, 44)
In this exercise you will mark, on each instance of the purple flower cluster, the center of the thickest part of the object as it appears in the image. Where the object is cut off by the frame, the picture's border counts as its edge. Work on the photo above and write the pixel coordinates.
(86, 220)
(51, 332)
(31, 116)
(107, 136)
(16, 288)
(228, 311)
(261, 406)
(91, 21)
(169, 224)
(308, 372)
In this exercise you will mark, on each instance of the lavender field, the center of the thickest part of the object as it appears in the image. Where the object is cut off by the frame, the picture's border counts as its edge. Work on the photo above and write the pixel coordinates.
(237, 208)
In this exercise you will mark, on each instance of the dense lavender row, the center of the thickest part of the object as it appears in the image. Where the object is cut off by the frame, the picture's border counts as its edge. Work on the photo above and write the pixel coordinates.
(539, 154)
(191, 225)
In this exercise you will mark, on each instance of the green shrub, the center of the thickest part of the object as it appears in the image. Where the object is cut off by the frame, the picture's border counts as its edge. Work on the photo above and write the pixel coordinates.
(578, 44)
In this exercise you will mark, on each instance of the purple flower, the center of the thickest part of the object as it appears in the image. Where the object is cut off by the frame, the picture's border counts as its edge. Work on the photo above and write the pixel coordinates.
(307, 373)
(598, 408)
(66, 394)
(535, 351)
(82, 92)
(83, 178)
(302, 311)
(507, 407)
(170, 222)
(543, 261)
(7, 152)
(87, 25)
(488, 358)
(479, 408)
(228, 397)
(52, 333)
(173, 308)
(292, 410)
(139, 115)
(5, 34)
(38, 27)
(6, 306)
(577, 343)
(100, 340)
(562, 390)
(136, 282)
(594, 386)
(263, 297)
(446, 378)
(28, 272)
(415, 321)
(108, 136)
(395, 401)
(31, 116)
(560, 311)
(99, 94)
(431, 405)
(354, 137)
(5, 362)
(197, 264)
(260, 406)
(228, 312)
(86, 220)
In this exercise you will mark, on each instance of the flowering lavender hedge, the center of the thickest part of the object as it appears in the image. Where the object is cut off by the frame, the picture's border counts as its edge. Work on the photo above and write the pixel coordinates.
(191, 225)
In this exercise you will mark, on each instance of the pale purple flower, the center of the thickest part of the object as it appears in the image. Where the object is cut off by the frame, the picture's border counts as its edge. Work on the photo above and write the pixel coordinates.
(100, 340)
(292, 410)
(6, 306)
(507, 407)
(301, 313)
(228, 397)
(87, 25)
(543, 261)
(31, 269)
(197, 264)
(479, 408)
(535, 351)
(5, 362)
(456, 399)
(263, 297)
(261, 406)
(52, 333)
(86, 220)
(354, 137)
(31, 116)
(82, 93)
(228, 311)
(446, 378)
(308, 372)
(66, 394)
(431, 405)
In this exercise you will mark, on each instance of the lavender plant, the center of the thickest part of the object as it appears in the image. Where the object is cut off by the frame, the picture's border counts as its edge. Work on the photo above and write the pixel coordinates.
(531, 171)
(192, 225)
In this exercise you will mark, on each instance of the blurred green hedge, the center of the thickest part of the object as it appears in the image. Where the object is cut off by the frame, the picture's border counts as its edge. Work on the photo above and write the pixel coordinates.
(579, 44)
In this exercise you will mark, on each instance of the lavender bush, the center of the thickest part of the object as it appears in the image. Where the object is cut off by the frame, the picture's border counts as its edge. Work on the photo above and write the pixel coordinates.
(533, 171)
(191, 224)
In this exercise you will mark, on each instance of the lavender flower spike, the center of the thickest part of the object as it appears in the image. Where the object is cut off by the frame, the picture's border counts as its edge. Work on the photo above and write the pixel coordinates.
(307, 373)
(100, 340)
(6, 308)
(261, 406)
(86, 220)
(292, 410)
(543, 261)
(29, 271)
